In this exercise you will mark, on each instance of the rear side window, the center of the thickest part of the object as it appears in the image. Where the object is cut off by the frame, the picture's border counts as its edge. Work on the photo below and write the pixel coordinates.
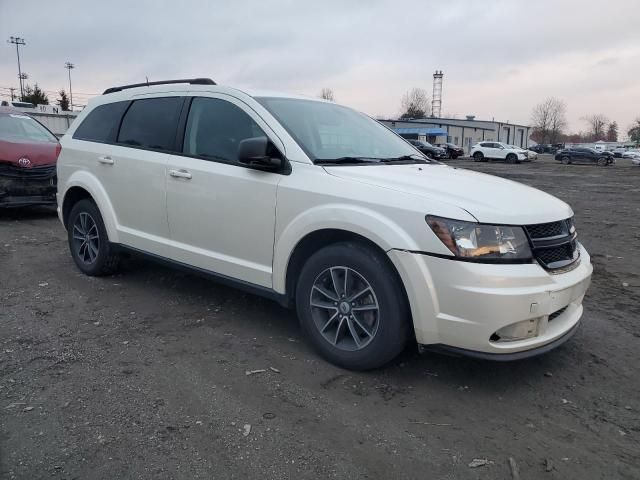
(151, 123)
(101, 125)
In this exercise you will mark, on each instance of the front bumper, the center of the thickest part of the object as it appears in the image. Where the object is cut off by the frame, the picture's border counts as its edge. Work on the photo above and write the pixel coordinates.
(22, 187)
(461, 305)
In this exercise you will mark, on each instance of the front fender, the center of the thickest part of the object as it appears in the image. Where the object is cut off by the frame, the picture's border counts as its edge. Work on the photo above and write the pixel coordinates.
(89, 182)
(365, 222)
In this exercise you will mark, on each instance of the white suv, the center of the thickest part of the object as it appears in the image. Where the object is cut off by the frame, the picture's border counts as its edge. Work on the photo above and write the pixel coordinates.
(483, 151)
(322, 208)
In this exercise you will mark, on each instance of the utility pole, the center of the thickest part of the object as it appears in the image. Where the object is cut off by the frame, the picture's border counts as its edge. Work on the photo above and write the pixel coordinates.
(69, 66)
(17, 41)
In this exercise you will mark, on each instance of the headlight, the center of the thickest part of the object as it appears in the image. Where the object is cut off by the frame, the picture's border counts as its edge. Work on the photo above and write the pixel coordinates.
(476, 241)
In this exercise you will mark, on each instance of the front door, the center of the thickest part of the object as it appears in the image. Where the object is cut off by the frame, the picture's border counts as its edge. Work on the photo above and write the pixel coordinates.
(222, 214)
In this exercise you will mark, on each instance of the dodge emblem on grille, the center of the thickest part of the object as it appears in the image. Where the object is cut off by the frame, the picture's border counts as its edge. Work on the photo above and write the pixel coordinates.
(24, 162)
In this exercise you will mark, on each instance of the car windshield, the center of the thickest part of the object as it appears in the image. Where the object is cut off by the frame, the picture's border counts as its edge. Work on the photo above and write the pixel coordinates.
(18, 128)
(423, 143)
(329, 132)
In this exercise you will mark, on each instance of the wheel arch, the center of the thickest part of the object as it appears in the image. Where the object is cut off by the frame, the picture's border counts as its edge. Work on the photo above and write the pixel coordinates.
(317, 239)
(85, 186)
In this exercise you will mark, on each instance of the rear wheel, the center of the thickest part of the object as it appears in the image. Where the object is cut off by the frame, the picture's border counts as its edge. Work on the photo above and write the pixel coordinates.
(351, 306)
(566, 160)
(88, 240)
(478, 157)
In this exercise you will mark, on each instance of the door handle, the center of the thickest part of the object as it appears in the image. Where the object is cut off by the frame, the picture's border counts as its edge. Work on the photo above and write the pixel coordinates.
(180, 174)
(106, 159)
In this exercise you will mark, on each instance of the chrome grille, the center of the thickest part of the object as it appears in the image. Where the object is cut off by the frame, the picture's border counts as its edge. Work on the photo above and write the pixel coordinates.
(546, 230)
(554, 243)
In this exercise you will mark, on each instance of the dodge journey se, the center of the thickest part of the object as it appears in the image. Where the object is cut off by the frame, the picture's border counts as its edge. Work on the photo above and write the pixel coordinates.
(325, 210)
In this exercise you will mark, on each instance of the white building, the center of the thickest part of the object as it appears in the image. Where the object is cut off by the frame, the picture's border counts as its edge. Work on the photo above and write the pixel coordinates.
(464, 133)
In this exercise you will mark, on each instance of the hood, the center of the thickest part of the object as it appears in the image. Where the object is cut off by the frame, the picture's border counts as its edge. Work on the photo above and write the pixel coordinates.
(39, 153)
(488, 198)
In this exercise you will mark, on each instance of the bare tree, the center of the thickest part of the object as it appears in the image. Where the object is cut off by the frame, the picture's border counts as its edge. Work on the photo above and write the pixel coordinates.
(597, 125)
(327, 94)
(549, 120)
(415, 103)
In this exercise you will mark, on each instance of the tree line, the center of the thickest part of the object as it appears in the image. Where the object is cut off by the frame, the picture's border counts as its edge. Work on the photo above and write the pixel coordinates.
(548, 119)
(34, 94)
(549, 123)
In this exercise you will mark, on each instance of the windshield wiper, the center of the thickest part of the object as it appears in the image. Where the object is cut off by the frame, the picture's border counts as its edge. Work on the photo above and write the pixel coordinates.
(405, 158)
(337, 161)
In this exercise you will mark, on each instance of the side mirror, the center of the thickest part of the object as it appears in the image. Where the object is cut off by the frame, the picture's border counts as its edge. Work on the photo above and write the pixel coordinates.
(253, 152)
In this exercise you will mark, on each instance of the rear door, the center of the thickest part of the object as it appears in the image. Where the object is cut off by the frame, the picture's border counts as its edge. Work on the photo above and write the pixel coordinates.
(221, 213)
(137, 171)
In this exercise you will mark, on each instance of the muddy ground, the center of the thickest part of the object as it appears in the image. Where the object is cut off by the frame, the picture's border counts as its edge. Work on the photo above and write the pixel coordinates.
(143, 374)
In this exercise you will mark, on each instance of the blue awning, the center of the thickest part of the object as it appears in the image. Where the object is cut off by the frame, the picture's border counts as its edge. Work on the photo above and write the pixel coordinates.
(428, 132)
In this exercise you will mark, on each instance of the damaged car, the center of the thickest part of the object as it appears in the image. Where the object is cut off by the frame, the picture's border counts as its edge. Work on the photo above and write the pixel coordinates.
(28, 156)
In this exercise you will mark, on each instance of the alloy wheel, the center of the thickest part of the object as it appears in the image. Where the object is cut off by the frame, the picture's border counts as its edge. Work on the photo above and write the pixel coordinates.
(344, 308)
(85, 238)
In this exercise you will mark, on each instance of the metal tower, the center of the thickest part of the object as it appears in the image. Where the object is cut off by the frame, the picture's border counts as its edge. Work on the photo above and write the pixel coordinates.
(436, 100)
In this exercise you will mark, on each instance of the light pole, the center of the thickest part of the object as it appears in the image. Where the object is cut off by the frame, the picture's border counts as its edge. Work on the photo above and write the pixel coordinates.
(69, 66)
(22, 77)
(17, 41)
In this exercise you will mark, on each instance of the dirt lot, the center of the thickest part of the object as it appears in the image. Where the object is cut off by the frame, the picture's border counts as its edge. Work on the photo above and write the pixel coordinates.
(143, 375)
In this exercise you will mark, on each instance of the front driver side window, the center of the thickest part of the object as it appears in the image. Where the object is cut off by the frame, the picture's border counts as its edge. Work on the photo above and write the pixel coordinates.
(215, 128)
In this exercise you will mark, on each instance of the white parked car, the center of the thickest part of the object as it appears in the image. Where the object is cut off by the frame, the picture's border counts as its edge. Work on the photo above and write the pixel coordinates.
(632, 154)
(483, 151)
(320, 207)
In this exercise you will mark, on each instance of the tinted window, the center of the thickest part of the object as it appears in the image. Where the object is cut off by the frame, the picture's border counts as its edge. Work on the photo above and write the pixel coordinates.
(23, 129)
(102, 123)
(215, 128)
(151, 123)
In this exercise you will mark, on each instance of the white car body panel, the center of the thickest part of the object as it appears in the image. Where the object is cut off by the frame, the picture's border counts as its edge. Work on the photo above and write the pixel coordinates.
(488, 198)
(245, 224)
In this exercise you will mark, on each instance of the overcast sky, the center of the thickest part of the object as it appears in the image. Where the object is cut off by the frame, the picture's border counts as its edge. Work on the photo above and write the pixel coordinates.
(499, 57)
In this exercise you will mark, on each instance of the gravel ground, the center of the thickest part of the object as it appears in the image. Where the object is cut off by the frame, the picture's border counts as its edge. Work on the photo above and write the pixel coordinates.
(144, 374)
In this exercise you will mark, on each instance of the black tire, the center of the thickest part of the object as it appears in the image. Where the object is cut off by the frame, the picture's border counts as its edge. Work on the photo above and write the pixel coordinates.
(478, 157)
(512, 158)
(98, 258)
(603, 162)
(565, 160)
(384, 338)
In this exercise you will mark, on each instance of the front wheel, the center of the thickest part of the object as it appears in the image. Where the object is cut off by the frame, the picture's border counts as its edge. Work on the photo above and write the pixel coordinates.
(566, 160)
(88, 240)
(512, 158)
(351, 306)
(478, 157)
(603, 162)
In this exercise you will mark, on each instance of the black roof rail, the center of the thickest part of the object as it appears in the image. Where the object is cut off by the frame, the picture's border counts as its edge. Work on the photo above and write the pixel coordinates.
(192, 81)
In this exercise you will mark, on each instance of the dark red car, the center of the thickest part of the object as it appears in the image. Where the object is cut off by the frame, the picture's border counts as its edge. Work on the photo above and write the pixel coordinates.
(28, 155)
